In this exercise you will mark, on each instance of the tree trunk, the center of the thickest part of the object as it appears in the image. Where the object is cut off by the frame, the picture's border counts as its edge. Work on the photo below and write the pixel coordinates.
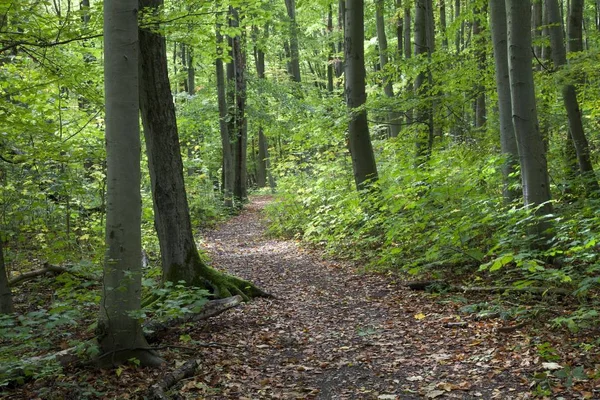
(479, 41)
(537, 23)
(6, 304)
(240, 133)
(458, 38)
(393, 117)
(508, 142)
(399, 29)
(179, 255)
(407, 33)
(191, 72)
(263, 153)
(119, 332)
(443, 24)
(424, 141)
(532, 153)
(330, 68)
(227, 164)
(294, 46)
(576, 138)
(361, 150)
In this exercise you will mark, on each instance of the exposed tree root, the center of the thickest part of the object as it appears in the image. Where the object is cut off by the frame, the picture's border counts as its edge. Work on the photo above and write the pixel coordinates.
(159, 389)
(223, 285)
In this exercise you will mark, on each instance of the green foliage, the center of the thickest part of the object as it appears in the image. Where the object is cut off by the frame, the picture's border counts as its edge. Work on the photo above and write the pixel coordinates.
(172, 300)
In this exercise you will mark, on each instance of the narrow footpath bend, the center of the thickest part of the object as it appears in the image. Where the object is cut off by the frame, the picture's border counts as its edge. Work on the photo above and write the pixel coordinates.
(335, 334)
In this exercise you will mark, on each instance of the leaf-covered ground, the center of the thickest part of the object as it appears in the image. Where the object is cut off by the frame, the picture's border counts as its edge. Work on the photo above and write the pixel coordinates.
(330, 333)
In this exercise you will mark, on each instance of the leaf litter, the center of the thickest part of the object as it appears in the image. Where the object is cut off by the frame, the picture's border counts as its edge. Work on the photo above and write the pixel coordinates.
(334, 333)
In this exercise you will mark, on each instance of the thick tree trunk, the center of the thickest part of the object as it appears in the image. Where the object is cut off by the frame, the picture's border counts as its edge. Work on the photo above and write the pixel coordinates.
(361, 149)
(508, 141)
(179, 254)
(294, 46)
(532, 152)
(119, 332)
(393, 117)
(6, 304)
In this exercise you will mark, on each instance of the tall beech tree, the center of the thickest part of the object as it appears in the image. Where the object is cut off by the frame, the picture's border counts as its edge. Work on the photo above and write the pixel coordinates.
(508, 141)
(119, 332)
(424, 114)
(179, 254)
(532, 151)
(393, 116)
(228, 172)
(294, 51)
(359, 140)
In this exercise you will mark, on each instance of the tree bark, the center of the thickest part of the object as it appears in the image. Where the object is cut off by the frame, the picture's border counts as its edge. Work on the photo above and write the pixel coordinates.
(576, 138)
(227, 164)
(263, 151)
(361, 149)
(238, 127)
(393, 117)
(6, 303)
(479, 41)
(294, 45)
(179, 254)
(119, 332)
(443, 24)
(424, 141)
(532, 153)
(508, 141)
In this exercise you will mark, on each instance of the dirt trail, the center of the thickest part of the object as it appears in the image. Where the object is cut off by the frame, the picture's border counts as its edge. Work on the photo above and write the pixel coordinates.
(335, 334)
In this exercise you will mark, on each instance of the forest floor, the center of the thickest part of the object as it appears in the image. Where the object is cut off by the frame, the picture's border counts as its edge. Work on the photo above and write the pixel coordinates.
(331, 332)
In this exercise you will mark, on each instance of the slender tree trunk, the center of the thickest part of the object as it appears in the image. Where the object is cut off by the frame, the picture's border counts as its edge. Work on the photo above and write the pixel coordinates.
(263, 151)
(361, 150)
(479, 41)
(424, 141)
(577, 144)
(119, 332)
(6, 303)
(443, 24)
(393, 117)
(227, 165)
(532, 152)
(330, 61)
(240, 190)
(399, 28)
(191, 72)
(294, 45)
(407, 33)
(459, 32)
(508, 141)
(537, 23)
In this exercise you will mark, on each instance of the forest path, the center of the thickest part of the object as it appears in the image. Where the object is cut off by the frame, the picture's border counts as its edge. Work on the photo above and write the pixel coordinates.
(334, 334)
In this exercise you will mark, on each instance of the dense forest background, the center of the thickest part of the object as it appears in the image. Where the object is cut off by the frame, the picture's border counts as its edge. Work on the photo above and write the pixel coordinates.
(452, 141)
